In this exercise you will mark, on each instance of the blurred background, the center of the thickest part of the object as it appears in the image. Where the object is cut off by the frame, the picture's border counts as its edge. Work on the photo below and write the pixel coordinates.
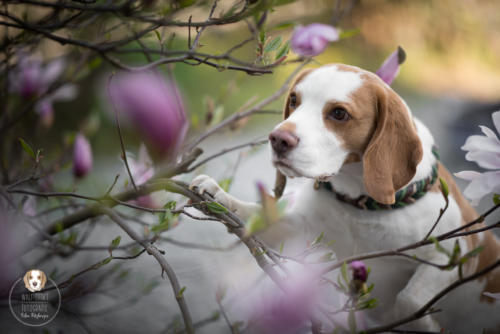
(450, 80)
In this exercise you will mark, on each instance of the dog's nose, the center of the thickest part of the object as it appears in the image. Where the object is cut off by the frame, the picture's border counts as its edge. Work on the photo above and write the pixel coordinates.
(283, 141)
(35, 283)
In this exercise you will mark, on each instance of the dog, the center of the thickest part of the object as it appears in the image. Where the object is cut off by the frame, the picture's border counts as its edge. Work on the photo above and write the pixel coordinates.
(35, 280)
(370, 175)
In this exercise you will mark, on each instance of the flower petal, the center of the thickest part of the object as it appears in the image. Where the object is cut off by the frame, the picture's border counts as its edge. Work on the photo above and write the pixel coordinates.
(390, 68)
(488, 132)
(324, 31)
(52, 71)
(484, 159)
(481, 143)
(468, 175)
(496, 120)
(488, 182)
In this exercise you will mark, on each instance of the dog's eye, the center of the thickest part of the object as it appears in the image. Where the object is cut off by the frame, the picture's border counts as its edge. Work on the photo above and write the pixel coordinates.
(293, 100)
(338, 114)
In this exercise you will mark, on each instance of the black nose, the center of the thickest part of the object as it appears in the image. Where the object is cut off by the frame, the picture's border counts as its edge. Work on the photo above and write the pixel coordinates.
(35, 283)
(283, 141)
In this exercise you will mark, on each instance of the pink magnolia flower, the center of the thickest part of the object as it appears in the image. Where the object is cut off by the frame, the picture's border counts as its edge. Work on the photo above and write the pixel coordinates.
(82, 156)
(289, 311)
(485, 151)
(311, 40)
(30, 78)
(142, 170)
(390, 68)
(154, 106)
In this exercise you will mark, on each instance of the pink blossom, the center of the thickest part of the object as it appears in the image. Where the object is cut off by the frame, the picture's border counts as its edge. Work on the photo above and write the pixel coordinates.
(142, 170)
(154, 106)
(390, 68)
(30, 78)
(485, 151)
(359, 271)
(311, 40)
(82, 156)
(288, 311)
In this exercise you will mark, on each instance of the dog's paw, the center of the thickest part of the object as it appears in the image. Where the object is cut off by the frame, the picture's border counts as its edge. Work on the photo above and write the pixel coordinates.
(205, 184)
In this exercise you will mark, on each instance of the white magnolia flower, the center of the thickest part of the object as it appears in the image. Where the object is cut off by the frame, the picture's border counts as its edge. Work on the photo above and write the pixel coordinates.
(485, 151)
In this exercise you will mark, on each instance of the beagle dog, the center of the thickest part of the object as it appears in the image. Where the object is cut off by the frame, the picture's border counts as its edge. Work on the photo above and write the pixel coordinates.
(35, 280)
(370, 172)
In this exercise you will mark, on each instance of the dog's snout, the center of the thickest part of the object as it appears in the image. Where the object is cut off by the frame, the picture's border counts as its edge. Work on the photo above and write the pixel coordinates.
(283, 141)
(35, 283)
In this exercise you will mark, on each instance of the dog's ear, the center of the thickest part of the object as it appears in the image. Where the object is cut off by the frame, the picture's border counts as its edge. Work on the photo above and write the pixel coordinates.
(44, 279)
(394, 151)
(25, 279)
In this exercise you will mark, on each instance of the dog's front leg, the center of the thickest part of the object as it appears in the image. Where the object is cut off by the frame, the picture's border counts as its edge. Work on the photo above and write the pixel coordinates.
(205, 184)
(426, 282)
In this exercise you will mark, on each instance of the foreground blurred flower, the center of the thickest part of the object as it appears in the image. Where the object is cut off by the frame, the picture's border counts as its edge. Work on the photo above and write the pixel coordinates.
(82, 156)
(154, 106)
(311, 40)
(288, 311)
(390, 68)
(485, 151)
(142, 170)
(30, 78)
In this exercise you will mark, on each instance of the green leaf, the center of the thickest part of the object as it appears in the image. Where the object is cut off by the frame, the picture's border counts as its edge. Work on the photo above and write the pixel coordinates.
(157, 35)
(107, 260)
(181, 292)
(496, 199)
(262, 36)
(215, 207)
(343, 271)
(283, 51)
(254, 224)
(439, 248)
(186, 3)
(225, 184)
(472, 253)
(284, 25)
(94, 63)
(273, 44)
(170, 205)
(349, 33)
(318, 239)
(444, 187)
(27, 148)
(282, 245)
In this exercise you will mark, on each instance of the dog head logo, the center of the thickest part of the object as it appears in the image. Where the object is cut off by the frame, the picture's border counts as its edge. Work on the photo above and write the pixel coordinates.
(34, 280)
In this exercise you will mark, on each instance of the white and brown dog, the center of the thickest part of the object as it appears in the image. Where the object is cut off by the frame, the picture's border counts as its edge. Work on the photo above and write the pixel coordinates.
(34, 280)
(350, 133)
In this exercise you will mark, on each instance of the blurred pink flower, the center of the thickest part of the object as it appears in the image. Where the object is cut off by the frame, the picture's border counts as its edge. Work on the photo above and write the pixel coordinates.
(311, 40)
(30, 78)
(82, 156)
(485, 151)
(390, 68)
(359, 271)
(142, 170)
(288, 311)
(154, 106)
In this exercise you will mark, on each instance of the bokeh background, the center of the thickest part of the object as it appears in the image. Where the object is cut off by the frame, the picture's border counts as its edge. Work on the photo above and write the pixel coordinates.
(450, 80)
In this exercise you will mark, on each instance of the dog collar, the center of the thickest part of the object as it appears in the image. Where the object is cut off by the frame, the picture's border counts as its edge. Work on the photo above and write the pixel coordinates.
(404, 197)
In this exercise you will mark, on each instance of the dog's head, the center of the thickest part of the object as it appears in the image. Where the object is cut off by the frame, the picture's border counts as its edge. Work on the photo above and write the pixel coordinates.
(338, 114)
(35, 280)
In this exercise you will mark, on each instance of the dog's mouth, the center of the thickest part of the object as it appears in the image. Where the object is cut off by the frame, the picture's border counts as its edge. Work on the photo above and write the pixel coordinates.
(286, 167)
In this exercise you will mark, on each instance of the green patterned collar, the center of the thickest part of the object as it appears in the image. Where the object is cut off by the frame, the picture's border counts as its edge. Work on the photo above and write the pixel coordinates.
(404, 197)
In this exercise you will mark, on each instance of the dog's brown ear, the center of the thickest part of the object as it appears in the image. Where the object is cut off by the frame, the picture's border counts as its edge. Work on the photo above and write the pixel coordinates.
(44, 279)
(394, 151)
(25, 279)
